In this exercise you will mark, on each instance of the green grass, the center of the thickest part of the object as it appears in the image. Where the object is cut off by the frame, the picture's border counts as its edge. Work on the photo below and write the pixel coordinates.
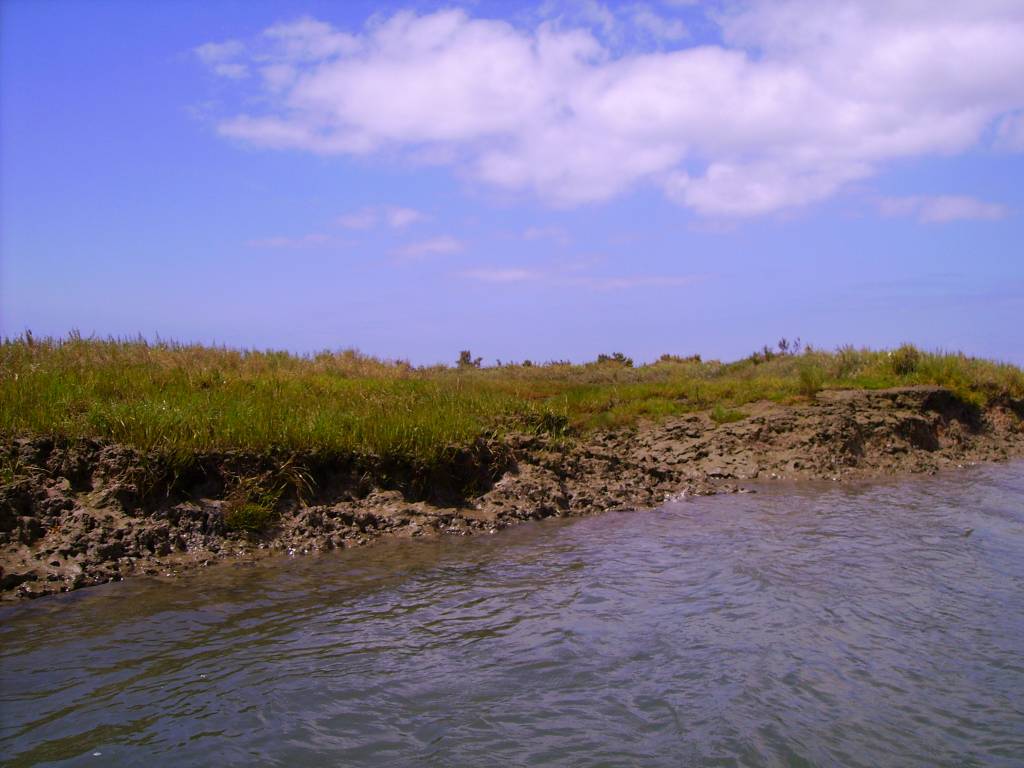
(722, 415)
(249, 517)
(180, 400)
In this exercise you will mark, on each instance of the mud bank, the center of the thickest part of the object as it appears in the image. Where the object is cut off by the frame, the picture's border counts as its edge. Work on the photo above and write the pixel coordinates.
(76, 515)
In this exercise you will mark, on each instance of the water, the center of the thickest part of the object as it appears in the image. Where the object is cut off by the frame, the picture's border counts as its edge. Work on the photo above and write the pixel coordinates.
(804, 625)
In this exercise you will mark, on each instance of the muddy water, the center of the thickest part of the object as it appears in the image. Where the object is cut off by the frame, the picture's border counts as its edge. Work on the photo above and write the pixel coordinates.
(810, 625)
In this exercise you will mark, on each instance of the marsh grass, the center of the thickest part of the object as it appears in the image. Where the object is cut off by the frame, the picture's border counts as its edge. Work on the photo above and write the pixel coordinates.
(251, 506)
(722, 415)
(251, 517)
(811, 378)
(179, 400)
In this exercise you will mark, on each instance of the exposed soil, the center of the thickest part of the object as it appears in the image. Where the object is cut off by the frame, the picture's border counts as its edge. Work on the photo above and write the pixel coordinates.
(87, 513)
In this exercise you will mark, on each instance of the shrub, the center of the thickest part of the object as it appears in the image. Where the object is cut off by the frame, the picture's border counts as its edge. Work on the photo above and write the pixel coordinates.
(679, 359)
(812, 378)
(905, 360)
(466, 360)
(784, 348)
(787, 347)
(847, 361)
(616, 357)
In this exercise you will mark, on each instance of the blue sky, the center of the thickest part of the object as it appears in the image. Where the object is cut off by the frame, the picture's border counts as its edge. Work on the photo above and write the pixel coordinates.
(543, 181)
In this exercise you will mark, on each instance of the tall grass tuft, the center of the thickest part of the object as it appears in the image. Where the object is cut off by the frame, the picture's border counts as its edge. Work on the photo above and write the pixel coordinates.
(811, 377)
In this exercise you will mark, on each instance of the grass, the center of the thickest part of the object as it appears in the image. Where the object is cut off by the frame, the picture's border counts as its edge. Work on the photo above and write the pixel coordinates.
(722, 415)
(180, 400)
(249, 517)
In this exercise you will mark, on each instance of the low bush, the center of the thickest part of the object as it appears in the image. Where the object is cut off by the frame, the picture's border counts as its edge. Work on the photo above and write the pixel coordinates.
(847, 362)
(811, 377)
(617, 358)
(905, 360)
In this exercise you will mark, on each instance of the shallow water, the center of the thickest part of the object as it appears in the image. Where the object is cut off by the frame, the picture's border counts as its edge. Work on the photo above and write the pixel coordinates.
(803, 625)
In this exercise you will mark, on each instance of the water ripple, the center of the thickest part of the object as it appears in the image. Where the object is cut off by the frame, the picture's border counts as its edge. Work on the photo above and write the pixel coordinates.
(864, 626)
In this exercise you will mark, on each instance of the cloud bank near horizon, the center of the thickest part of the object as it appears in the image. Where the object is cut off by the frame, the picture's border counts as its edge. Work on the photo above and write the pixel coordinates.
(795, 101)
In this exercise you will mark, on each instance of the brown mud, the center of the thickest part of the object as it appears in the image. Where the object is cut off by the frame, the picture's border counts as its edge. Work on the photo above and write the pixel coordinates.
(85, 513)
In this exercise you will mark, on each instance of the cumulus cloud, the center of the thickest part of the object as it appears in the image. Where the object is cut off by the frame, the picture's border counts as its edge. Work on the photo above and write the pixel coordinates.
(391, 216)
(434, 246)
(657, 26)
(307, 39)
(618, 23)
(942, 208)
(797, 99)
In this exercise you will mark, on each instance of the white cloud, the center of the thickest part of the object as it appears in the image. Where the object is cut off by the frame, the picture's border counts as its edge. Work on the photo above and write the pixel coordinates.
(1010, 133)
(432, 247)
(562, 277)
(942, 209)
(501, 275)
(392, 216)
(733, 189)
(801, 97)
(307, 39)
(636, 281)
(221, 58)
(365, 218)
(400, 218)
(306, 241)
(617, 23)
(232, 71)
(555, 234)
(214, 53)
(659, 27)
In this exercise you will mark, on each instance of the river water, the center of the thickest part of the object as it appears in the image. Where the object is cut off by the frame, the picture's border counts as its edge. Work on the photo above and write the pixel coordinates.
(805, 625)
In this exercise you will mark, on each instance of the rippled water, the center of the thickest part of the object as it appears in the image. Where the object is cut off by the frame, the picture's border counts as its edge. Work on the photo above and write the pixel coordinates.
(879, 625)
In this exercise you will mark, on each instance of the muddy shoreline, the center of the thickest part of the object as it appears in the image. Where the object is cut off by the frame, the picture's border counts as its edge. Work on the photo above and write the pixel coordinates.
(75, 515)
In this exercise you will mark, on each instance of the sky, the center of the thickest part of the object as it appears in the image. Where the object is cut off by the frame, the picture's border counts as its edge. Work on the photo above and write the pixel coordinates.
(541, 181)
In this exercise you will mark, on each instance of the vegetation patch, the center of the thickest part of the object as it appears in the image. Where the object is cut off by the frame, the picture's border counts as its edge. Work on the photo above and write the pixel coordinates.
(723, 415)
(811, 378)
(251, 517)
(179, 401)
(905, 360)
(251, 507)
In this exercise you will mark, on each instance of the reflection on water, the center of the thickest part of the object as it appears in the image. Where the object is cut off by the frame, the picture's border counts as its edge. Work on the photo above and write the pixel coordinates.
(879, 625)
